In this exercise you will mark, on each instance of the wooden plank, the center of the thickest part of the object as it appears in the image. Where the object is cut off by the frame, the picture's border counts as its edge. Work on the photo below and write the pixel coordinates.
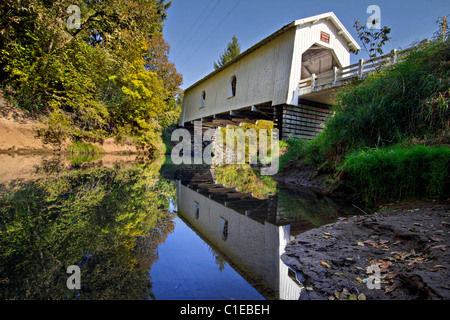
(306, 115)
(304, 128)
(239, 195)
(304, 132)
(323, 109)
(303, 124)
(309, 110)
(225, 122)
(298, 119)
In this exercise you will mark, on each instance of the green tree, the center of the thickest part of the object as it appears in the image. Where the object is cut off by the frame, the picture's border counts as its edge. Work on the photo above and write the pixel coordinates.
(80, 78)
(232, 50)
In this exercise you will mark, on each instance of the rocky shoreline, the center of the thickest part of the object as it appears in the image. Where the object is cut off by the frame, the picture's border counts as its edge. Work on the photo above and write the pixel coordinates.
(404, 245)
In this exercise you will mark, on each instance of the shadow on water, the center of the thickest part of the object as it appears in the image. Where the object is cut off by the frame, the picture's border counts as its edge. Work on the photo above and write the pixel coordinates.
(149, 229)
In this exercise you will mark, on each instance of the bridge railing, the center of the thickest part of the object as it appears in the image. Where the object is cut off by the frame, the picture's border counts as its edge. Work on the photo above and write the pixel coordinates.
(339, 76)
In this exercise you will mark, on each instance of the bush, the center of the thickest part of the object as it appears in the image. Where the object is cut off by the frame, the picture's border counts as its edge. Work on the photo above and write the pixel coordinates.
(78, 147)
(399, 173)
(294, 147)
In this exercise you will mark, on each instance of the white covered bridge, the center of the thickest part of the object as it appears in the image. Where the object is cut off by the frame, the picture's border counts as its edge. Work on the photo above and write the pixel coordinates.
(288, 77)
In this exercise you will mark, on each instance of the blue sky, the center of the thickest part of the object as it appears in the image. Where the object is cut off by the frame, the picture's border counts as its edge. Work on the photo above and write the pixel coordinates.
(198, 30)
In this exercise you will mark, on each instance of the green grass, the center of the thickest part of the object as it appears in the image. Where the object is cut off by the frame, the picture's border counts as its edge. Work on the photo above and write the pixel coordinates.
(78, 147)
(399, 173)
(294, 150)
(246, 180)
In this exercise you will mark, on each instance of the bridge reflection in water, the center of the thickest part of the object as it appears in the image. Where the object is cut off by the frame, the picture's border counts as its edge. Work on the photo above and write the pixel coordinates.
(250, 233)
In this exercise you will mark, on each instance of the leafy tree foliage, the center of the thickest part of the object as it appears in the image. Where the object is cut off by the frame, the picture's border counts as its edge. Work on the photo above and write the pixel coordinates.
(373, 41)
(232, 50)
(110, 77)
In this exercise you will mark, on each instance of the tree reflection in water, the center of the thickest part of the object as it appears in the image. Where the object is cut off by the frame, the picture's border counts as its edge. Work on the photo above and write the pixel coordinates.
(109, 222)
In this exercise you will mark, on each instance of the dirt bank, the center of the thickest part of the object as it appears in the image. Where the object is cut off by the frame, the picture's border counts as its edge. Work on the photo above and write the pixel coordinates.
(406, 245)
(298, 174)
(18, 134)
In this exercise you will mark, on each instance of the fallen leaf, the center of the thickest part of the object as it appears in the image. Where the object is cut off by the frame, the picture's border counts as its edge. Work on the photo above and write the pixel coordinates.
(435, 239)
(440, 266)
(361, 244)
(326, 265)
(388, 276)
(391, 288)
(361, 296)
(344, 294)
(336, 293)
(359, 280)
(352, 297)
(309, 289)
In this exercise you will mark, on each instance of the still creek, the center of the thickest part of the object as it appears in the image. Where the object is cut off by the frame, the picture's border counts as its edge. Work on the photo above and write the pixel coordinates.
(149, 230)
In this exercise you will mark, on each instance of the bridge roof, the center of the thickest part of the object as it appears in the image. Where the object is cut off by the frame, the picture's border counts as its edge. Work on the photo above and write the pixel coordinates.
(328, 16)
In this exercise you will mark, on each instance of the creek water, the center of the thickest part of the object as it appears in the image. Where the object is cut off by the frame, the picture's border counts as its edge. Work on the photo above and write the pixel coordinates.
(149, 230)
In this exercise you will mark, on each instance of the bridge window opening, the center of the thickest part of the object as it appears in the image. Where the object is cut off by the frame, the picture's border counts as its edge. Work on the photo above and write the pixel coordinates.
(232, 88)
(196, 210)
(224, 228)
(203, 100)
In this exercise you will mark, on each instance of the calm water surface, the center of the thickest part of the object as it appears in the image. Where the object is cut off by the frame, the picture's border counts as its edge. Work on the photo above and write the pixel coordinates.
(149, 230)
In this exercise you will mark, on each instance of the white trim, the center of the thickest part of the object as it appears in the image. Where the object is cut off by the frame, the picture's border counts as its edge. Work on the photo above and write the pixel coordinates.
(331, 17)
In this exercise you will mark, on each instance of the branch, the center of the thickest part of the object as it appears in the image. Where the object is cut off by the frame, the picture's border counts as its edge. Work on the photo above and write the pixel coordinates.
(75, 34)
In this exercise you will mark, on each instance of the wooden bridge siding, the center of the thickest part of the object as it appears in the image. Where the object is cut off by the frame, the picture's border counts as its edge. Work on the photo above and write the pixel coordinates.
(303, 121)
(306, 36)
(262, 76)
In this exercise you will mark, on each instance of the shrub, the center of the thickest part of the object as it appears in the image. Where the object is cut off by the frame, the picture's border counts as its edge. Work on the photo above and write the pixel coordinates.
(399, 173)
(294, 147)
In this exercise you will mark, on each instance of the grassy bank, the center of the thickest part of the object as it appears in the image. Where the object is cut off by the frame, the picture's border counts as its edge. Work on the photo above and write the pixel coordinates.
(390, 133)
(78, 147)
(397, 172)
